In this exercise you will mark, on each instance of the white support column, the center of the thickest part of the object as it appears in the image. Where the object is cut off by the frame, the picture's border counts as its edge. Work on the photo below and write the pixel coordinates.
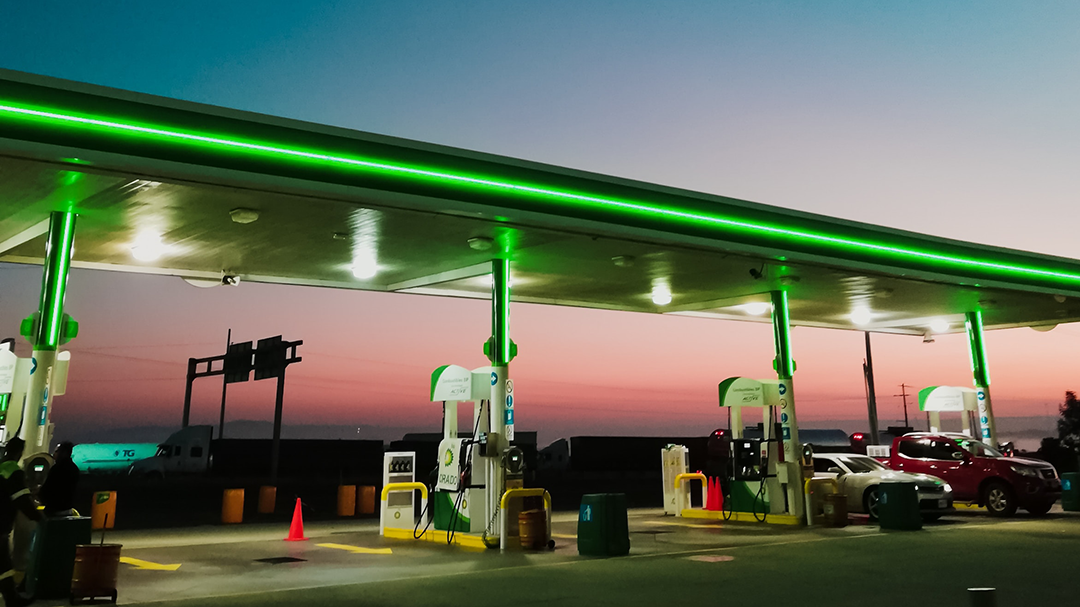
(450, 418)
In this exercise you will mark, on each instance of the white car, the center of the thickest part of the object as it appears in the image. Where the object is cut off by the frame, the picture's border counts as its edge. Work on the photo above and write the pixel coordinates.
(859, 477)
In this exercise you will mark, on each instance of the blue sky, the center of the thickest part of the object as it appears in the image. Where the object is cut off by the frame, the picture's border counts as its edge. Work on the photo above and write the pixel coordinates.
(957, 119)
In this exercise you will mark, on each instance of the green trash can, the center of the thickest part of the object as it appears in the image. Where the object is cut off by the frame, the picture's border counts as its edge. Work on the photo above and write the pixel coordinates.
(52, 556)
(1070, 491)
(602, 528)
(898, 507)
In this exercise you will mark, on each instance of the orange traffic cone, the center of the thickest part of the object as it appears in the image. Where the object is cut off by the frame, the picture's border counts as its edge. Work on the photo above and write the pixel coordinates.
(708, 505)
(296, 529)
(718, 501)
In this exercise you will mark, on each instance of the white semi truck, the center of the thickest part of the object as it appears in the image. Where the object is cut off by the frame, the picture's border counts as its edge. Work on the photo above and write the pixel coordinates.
(193, 450)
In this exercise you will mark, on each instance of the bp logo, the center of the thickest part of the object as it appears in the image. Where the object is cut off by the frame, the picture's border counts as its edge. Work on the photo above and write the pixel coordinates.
(448, 459)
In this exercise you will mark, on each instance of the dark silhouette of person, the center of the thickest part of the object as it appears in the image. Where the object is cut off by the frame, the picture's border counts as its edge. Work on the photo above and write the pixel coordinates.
(16, 498)
(58, 492)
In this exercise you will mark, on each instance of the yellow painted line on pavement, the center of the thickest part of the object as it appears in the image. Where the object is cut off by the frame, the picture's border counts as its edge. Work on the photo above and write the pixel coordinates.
(564, 536)
(356, 549)
(141, 564)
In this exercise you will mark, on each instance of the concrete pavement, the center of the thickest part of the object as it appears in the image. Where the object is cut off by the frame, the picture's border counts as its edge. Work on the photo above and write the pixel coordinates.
(692, 562)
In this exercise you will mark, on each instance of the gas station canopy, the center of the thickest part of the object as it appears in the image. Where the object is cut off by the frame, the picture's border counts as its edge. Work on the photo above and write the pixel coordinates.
(175, 188)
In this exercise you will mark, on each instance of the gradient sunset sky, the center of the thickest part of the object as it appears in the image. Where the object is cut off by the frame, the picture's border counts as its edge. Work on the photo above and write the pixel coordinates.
(954, 119)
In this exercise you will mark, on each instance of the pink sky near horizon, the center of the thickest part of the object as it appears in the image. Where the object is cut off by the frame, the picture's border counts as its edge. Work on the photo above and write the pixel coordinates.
(368, 357)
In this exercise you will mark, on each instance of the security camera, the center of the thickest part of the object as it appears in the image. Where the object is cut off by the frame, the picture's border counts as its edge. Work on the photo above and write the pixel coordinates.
(230, 280)
(756, 273)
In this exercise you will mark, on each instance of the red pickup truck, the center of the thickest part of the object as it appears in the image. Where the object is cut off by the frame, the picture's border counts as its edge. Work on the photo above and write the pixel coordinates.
(979, 473)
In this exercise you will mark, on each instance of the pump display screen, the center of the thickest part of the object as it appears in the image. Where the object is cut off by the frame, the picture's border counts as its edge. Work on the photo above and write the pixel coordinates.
(747, 459)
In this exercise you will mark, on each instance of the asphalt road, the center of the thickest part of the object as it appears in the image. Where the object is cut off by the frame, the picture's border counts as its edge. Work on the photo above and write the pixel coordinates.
(673, 561)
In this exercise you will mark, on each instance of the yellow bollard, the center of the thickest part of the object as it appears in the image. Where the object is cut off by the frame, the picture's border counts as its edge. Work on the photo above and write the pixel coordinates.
(267, 499)
(232, 506)
(365, 500)
(103, 510)
(346, 500)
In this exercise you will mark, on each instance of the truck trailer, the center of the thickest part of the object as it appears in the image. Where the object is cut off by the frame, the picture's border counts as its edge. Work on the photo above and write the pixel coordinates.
(194, 451)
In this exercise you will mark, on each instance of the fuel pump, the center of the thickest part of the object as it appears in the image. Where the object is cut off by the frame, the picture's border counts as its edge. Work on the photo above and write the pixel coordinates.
(766, 472)
(459, 500)
(936, 400)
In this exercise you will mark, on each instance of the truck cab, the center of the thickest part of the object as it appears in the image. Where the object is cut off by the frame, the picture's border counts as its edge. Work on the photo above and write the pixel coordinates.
(979, 473)
(185, 451)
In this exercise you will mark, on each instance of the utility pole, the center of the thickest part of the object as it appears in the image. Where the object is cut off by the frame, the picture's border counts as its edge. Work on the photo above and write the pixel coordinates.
(224, 387)
(871, 395)
(904, 394)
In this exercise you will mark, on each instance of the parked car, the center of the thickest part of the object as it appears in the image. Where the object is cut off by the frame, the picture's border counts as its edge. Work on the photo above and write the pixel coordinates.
(859, 478)
(979, 473)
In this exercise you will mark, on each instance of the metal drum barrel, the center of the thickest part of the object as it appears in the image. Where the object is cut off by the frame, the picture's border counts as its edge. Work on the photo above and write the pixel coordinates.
(95, 570)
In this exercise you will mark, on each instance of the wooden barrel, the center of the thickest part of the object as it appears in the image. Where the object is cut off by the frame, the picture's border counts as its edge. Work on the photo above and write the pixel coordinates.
(532, 529)
(835, 508)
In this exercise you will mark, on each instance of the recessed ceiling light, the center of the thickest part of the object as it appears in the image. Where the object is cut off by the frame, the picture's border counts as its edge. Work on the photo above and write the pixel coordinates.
(939, 325)
(365, 268)
(755, 308)
(661, 296)
(481, 243)
(148, 247)
(243, 215)
(860, 317)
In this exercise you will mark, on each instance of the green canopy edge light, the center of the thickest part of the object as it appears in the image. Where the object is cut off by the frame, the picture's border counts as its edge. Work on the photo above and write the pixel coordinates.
(68, 119)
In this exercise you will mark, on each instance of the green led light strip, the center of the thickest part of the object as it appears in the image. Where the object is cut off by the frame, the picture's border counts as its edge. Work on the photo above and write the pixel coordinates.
(646, 209)
(500, 311)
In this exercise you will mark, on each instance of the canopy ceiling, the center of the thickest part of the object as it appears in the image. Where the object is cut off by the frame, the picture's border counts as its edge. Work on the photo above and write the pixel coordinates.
(332, 204)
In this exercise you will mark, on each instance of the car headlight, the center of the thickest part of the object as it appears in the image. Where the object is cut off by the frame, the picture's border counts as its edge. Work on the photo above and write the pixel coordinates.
(948, 488)
(1025, 471)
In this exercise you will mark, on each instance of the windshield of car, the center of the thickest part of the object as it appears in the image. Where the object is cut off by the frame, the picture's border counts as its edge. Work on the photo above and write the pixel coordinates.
(861, 464)
(979, 448)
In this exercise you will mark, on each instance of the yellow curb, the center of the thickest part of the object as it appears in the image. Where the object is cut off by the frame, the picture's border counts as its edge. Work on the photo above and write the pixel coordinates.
(742, 517)
(433, 535)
